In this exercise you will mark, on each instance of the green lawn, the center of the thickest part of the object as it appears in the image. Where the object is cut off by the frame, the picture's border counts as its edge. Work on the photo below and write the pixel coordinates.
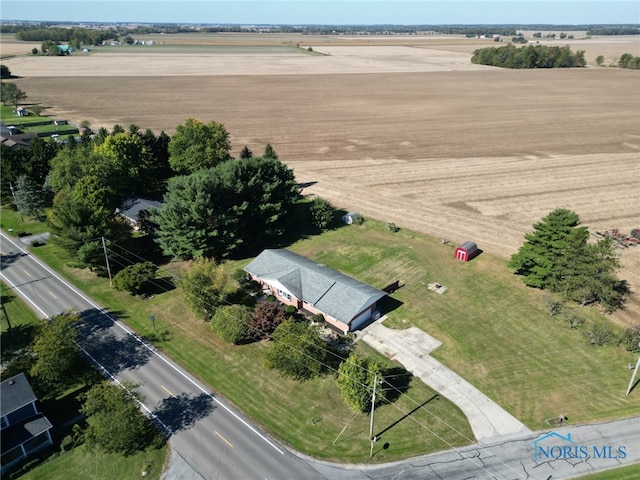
(33, 123)
(630, 472)
(83, 464)
(495, 332)
(11, 223)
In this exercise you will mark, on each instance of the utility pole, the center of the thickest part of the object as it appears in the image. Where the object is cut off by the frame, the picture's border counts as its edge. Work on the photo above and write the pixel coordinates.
(373, 406)
(106, 259)
(633, 377)
(13, 194)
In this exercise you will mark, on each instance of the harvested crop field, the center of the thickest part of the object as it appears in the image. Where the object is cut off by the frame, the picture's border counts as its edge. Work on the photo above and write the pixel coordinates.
(410, 133)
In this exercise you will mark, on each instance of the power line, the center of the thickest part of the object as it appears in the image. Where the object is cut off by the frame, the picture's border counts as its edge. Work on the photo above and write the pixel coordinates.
(328, 367)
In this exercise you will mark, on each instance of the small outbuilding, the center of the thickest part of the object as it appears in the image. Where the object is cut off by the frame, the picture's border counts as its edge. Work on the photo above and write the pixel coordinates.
(350, 217)
(467, 251)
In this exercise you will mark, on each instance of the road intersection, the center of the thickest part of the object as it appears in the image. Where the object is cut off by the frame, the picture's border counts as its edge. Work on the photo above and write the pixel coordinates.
(211, 440)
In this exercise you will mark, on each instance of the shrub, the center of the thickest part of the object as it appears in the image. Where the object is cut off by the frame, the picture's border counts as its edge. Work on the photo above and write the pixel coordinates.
(134, 278)
(392, 227)
(67, 443)
(231, 323)
(554, 305)
(265, 318)
(573, 320)
(631, 339)
(600, 333)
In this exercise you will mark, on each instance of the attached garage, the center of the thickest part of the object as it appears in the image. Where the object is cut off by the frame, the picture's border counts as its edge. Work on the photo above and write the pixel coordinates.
(345, 303)
(467, 251)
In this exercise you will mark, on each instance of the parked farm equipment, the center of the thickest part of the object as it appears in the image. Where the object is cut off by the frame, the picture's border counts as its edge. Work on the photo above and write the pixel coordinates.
(622, 240)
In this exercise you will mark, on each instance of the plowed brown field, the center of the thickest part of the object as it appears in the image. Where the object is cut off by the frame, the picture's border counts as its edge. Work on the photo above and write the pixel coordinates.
(410, 133)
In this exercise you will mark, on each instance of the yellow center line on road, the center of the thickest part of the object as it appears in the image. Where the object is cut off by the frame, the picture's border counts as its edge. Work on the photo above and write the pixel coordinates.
(28, 274)
(51, 293)
(168, 391)
(224, 439)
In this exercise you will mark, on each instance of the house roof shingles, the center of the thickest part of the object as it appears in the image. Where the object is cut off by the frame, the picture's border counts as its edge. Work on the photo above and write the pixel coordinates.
(16, 393)
(328, 290)
(132, 207)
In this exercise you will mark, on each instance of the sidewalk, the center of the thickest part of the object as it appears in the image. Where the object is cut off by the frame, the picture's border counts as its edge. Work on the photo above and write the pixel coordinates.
(411, 348)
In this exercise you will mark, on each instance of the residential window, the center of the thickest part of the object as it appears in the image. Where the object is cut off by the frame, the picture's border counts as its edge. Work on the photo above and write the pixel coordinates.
(284, 295)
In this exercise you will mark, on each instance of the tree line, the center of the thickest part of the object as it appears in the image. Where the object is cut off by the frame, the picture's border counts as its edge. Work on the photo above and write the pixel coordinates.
(532, 56)
(81, 35)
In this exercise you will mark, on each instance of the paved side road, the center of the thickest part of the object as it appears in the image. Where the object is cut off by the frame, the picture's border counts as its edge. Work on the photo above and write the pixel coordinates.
(512, 457)
(411, 348)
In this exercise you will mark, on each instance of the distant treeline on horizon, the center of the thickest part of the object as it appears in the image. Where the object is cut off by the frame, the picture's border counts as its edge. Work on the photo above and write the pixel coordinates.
(40, 31)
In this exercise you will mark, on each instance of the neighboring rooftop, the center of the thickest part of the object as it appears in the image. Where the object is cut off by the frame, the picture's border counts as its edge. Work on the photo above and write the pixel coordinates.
(16, 393)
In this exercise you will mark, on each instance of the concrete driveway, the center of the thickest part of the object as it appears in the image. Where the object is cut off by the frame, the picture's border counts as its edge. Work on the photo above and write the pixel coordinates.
(411, 348)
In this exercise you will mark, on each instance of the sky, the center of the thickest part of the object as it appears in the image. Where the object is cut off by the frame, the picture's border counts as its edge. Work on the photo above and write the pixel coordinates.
(327, 12)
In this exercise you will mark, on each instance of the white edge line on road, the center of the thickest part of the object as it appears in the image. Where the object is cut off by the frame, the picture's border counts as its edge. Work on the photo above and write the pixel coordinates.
(101, 310)
(22, 295)
(146, 409)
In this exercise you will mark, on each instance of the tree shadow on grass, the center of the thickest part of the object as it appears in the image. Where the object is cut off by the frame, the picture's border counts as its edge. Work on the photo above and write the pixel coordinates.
(182, 412)
(396, 382)
(16, 339)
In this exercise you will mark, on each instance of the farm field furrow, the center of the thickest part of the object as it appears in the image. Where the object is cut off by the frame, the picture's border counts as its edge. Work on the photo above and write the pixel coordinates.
(399, 133)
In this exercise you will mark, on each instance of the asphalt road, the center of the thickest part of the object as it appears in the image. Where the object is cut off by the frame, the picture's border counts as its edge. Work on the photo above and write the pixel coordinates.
(218, 443)
(213, 438)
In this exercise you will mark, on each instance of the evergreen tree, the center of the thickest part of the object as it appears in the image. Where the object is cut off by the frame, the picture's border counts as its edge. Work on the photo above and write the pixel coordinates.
(537, 257)
(269, 152)
(246, 153)
(29, 197)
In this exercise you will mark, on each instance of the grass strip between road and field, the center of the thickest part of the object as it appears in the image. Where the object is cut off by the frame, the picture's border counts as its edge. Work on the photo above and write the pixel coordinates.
(496, 333)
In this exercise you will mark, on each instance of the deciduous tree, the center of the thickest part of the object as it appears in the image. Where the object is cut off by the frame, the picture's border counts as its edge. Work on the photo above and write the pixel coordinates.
(55, 349)
(355, 380)
(265, 318)
(116, 423)
(11, 94)
(203, 286)
(297, 350)
(231, 323)
(197, 145)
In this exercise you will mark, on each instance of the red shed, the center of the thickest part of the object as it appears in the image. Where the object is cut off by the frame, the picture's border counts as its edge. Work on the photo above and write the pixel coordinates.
(467, 251)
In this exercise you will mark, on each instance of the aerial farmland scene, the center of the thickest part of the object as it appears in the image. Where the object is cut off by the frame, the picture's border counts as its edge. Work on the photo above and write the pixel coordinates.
(320, 240)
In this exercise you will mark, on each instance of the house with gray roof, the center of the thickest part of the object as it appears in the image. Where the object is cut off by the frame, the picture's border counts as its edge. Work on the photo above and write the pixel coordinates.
(346, 303)
(24, 429)
(131, 208)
